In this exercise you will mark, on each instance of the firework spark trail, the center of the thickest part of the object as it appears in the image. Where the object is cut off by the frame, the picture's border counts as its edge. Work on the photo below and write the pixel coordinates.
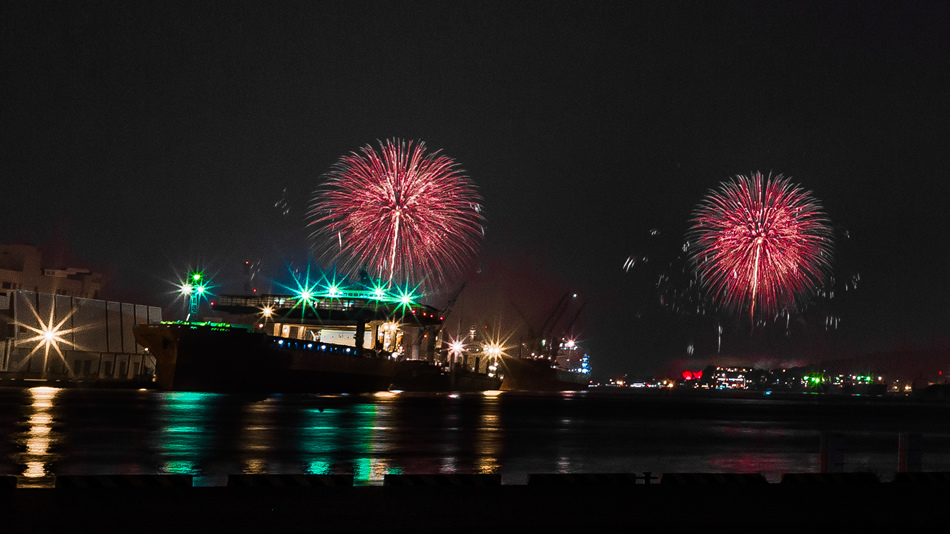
(405, 215)
(760, 242)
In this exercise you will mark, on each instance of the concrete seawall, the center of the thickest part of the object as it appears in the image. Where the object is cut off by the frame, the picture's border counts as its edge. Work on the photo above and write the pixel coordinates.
(585, 507)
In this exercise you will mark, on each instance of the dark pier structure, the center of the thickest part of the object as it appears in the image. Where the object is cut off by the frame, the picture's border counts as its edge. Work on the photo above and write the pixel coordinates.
(478, 503)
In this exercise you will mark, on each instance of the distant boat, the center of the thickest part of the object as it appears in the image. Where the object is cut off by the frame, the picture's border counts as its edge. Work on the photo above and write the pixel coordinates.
(417, 375)
(568, 370)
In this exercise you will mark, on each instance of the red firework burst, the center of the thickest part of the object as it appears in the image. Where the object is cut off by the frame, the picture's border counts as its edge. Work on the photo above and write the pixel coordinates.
(404, 215)
(758, 242)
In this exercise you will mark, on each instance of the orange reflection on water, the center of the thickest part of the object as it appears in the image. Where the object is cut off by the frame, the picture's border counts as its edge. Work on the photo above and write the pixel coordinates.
(40, 436)
(488, 436)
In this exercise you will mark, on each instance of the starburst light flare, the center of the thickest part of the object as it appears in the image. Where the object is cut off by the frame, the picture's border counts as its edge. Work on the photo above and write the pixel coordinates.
(405, 215)
(48, 335)
(761, 244)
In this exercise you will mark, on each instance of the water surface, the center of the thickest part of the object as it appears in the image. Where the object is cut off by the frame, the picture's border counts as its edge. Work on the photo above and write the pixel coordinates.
(46, 432)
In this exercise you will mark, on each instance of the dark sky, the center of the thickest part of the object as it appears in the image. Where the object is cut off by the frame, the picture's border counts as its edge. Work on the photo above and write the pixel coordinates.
(141, 139)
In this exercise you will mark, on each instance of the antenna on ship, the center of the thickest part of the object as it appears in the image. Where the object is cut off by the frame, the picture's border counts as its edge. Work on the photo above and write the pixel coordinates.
(194, 288)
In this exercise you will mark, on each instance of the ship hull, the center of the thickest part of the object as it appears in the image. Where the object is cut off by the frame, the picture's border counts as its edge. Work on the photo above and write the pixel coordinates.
(538, 375)
(421, 376)
(217, 359)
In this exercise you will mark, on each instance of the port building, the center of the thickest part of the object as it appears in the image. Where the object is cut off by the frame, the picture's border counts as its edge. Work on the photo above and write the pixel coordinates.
(53, 326)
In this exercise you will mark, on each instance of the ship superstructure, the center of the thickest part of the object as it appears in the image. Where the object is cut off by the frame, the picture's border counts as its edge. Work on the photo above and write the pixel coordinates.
(337, 341)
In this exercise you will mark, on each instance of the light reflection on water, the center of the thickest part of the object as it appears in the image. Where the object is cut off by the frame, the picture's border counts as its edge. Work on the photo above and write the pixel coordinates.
(184, 419)
(64, 431)
(39, 438)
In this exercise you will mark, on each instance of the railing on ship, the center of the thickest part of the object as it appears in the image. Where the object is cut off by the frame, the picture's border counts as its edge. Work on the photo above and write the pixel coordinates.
(341, 304)
(284, 302)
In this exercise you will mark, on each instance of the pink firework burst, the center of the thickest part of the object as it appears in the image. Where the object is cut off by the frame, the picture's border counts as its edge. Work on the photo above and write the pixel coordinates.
(760, 243)
(404, 215)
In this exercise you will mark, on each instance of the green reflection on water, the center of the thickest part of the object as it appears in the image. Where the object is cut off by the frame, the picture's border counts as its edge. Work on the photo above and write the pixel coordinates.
(179, 467)
(344, 440)
(317, 467)
(184, 433)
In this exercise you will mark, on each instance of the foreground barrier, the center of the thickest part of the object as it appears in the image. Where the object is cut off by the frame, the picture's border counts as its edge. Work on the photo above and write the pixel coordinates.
(78, 482)
(442, 480)
(585, 479)
(922, 478)
(289, 481)
(132, 482)
(712, 478)
(830, 478)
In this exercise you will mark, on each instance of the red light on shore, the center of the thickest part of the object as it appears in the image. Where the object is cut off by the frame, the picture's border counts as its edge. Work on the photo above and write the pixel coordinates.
(692, 375)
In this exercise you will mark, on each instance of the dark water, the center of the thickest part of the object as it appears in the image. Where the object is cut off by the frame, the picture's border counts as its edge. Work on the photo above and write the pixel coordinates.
(46, 432)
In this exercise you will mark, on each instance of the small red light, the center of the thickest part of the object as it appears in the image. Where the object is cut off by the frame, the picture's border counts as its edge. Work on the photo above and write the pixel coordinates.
(212, 303)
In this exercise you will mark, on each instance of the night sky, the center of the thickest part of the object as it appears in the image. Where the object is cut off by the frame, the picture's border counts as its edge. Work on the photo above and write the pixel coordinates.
(140, 140)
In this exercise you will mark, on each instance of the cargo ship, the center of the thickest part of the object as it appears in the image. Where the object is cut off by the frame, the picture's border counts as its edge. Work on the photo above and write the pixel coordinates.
(339, 343)
(235, 358)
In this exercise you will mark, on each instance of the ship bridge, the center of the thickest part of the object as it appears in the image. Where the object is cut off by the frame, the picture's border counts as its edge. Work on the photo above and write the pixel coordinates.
(363, 322)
